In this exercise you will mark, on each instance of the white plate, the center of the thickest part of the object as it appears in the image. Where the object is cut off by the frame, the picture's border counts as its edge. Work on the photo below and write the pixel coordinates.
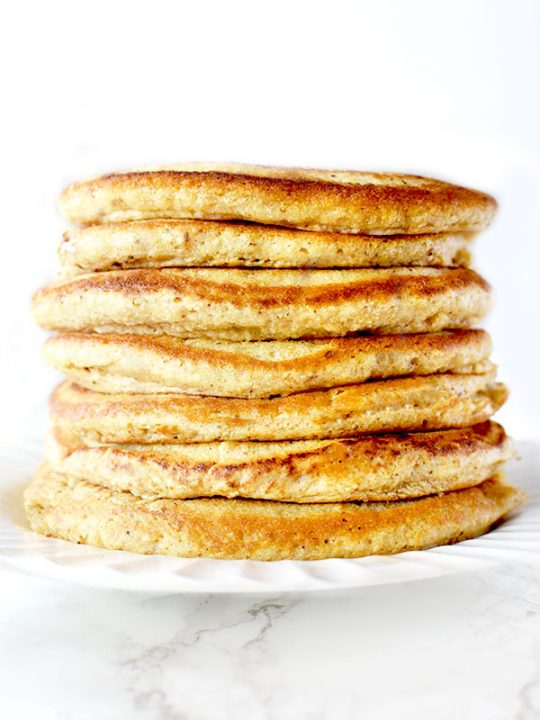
(518, 538)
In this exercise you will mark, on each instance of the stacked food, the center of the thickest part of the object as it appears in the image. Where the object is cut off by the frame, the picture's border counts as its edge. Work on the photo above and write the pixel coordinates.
(332, 402)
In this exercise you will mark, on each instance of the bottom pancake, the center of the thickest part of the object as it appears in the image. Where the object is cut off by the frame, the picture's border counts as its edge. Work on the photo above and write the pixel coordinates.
(78, 511)
(366, 468)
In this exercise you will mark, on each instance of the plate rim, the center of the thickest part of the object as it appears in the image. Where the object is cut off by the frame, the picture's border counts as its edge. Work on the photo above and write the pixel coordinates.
(252, 576)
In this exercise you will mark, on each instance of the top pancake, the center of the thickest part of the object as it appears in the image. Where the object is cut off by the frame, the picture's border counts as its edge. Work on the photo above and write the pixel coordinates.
(327, 200)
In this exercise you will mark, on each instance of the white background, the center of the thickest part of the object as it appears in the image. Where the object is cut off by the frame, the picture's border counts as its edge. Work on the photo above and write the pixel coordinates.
(448, 89)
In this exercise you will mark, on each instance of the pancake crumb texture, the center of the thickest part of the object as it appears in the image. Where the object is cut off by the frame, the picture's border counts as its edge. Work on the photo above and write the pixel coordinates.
(406, 404)
(271, 364)
(203, 243)
(81, 512)
(232, 304)
(115, 363)
(365, 468)
(321, 200)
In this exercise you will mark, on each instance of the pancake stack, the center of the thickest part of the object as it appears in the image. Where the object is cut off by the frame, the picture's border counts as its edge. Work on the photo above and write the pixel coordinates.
(271, 364)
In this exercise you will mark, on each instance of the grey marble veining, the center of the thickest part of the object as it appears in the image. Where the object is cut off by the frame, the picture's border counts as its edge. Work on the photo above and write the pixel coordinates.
(463, 646)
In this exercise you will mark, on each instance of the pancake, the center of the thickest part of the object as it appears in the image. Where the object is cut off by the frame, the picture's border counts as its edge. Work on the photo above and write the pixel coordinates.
(60, 506)
(154, 364)
(229, 304)
(196, 243)
(327, 200)
(418, 403)
(366, 468)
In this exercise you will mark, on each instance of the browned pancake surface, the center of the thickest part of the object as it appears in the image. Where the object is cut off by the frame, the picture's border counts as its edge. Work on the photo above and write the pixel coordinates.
(342, 201)
(147, 363)
(78, 511)
(232, 304)
(366, 468)
(418, 403)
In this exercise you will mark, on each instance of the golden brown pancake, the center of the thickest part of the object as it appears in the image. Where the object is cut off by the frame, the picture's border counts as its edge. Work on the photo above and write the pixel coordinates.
(63, 507)
(327, 200)
(148, 364)
(419, 403)
(231, 304)
(365, 468)
(204, 243)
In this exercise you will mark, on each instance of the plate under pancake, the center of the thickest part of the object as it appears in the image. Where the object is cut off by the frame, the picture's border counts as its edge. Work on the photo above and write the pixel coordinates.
(233, 304)
(81, 512)
(153, 364)
(418, 403)
(365, 468)
(329, 200)
(204, 243)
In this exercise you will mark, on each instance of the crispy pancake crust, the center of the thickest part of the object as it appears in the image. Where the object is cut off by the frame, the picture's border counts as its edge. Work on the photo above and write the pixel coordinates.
(78, 511)
(148, 364)
(368, 468)
(341, 201)
(203, 243)
(265, 304)
(418, 403)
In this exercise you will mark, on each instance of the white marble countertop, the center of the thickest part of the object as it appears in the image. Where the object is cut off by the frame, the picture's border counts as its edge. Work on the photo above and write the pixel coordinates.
(462, 646)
